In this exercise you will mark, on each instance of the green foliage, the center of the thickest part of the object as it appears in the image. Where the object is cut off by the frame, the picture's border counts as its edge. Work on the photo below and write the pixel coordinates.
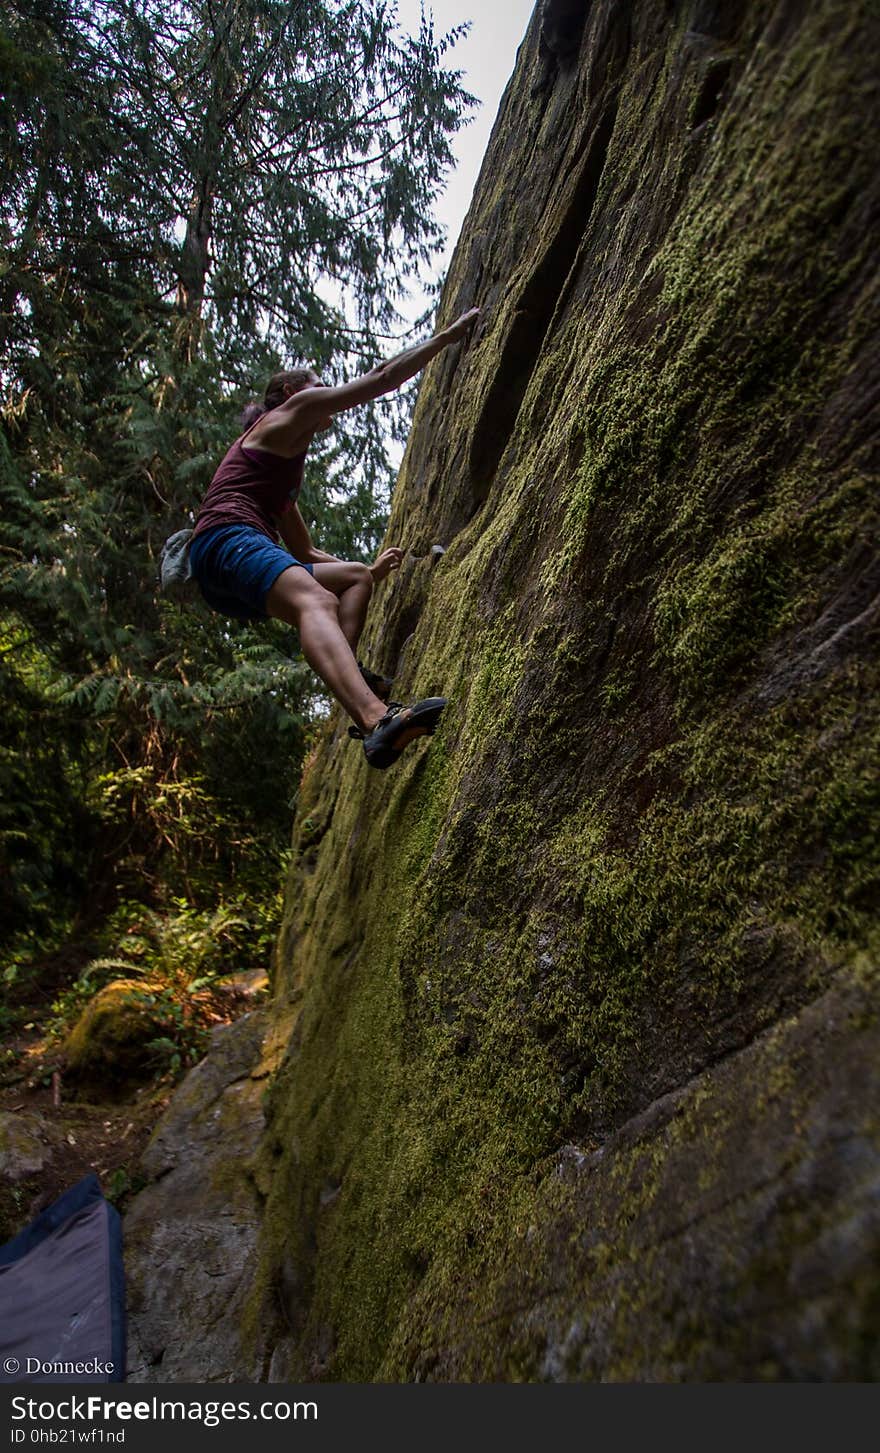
(191, 198)
(184, 947)
(118, 1185)
(45, 829)
(180, 954)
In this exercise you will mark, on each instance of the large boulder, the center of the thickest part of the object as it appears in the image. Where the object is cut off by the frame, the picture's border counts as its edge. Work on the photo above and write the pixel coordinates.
(111, 1048)
(583, 1082)
(191, 1235)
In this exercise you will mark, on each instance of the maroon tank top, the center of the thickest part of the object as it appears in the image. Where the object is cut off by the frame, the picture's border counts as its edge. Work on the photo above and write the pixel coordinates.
(251, 487)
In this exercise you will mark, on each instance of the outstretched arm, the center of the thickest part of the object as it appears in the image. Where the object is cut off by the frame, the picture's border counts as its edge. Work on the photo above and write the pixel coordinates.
(386, 377)
(305, 411)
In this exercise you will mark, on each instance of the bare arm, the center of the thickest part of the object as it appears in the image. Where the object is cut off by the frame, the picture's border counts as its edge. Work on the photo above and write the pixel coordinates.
(386, 377)
(305, 411)
(293, 531)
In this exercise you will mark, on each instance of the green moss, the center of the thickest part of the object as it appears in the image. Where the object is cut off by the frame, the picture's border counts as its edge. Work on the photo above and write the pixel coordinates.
(14, 1203)
(647, 829)
(112, 1043)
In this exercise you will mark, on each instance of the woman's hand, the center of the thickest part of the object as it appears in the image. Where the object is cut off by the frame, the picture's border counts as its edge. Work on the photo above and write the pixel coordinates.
(462, 326)
(386, 562)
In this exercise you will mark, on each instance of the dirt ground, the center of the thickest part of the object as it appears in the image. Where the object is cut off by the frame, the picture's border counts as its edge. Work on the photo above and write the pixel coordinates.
(81, 1136)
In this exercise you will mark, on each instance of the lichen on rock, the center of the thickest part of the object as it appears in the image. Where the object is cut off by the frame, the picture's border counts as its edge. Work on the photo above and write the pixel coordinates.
(27, 1143)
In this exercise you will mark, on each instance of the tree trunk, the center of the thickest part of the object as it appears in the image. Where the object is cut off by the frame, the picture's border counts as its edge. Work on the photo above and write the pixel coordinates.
(195, 253)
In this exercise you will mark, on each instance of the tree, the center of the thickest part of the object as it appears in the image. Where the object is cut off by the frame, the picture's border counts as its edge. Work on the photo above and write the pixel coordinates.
(193, 194)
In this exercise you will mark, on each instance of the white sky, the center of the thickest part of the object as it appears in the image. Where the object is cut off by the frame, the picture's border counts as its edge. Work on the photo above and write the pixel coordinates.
(486, 55)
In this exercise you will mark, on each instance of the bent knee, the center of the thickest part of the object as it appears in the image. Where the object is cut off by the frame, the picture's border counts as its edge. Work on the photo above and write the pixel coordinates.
(361, 574)
(297, 590)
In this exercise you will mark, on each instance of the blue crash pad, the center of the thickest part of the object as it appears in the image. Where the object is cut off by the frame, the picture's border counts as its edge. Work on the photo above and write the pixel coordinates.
(62, 1293)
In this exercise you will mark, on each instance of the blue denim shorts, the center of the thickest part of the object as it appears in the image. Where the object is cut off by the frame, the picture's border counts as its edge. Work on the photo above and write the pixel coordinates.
(235, 567)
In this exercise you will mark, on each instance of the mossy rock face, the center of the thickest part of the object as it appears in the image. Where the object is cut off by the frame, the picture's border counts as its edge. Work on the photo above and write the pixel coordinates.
(110, 1048)
(728, 1233)
(636, 870)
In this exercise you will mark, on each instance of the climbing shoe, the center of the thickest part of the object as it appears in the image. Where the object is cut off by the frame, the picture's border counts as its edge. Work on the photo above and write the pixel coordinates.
(355, 732)
(379, 685)
(399, 726)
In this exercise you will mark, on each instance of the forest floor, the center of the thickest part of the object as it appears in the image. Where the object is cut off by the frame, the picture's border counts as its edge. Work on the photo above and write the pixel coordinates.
(106, 1138)
(61, 1137)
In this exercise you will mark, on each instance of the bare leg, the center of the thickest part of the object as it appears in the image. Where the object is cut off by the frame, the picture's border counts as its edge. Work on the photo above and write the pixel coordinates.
(352, 583)
(301, 601)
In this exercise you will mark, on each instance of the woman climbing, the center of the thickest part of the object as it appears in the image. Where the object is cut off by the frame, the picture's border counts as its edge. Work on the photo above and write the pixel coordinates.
(243, 571)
